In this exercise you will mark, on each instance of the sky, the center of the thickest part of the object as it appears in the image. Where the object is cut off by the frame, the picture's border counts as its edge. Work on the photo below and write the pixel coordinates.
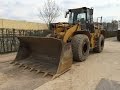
(28, 10)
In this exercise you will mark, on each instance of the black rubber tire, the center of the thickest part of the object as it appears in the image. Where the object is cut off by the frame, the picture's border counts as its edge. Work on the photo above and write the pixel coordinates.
(118, 37)
(99, 44)
(80, 47)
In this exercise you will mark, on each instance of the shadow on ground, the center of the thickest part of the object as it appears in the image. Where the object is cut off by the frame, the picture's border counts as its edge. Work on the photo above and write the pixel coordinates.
(105, 84)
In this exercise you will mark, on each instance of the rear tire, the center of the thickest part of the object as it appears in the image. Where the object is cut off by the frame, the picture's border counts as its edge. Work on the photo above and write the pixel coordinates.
(99, 44)
(118, 36)
(80, 47)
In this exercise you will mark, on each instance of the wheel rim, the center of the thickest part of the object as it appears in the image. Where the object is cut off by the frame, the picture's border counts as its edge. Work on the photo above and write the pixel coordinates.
(102, 43)
(85, 48)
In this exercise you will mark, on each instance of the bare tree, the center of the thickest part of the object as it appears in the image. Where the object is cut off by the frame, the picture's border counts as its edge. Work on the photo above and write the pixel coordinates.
(49, 12)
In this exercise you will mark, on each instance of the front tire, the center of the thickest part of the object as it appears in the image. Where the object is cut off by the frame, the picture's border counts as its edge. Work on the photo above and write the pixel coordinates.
(80, 47)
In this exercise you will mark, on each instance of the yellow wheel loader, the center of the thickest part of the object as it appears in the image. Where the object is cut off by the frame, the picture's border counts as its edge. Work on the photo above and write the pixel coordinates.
(54, 54)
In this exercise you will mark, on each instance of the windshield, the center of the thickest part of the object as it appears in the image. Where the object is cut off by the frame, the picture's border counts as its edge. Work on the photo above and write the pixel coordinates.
(77, 17)
(81, 16)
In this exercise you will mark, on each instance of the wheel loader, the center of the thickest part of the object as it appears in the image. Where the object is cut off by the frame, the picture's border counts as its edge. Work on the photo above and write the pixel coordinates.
(53, 55)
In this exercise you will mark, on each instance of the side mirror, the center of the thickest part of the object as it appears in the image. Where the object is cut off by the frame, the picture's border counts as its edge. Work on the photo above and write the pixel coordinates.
(66, 14)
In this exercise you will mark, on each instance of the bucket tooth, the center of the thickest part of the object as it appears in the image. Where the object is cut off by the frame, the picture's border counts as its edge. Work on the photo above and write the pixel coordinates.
(25, 67)
(54, 77)
(31, 69)
(20, 65)
(16, 63)
(45, 74)
(38, 71)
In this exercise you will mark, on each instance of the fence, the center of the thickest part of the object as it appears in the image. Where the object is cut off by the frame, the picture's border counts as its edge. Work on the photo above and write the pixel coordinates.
(110, 29)
(9, 41)
(110, 34)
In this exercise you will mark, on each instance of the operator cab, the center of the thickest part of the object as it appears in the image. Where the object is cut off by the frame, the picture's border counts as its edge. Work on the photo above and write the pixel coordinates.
(83, 15)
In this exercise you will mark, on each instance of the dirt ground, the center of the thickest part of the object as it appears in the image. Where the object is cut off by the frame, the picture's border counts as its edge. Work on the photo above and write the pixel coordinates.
(7, 57)
(82, 76)
(15, 78)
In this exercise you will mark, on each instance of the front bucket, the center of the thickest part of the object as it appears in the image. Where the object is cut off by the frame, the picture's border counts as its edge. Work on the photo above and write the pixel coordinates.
(48, 55)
